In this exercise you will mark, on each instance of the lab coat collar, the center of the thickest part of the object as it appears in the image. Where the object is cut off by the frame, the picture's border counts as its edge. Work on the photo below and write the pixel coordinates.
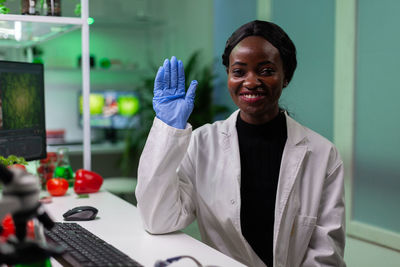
(295, 131)
(229, 125)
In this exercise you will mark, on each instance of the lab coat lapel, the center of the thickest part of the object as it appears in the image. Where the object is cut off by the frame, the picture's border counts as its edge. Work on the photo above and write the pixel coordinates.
(286, 203)
(230, 145)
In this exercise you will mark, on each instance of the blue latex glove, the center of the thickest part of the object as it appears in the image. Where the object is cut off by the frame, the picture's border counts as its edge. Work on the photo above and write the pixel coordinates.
(170, 102)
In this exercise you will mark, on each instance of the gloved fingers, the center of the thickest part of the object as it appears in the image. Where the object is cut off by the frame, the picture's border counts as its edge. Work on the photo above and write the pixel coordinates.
(159, 82)
(174, 73)
(191, 92)
(167, 98)
(167, 73)
(181, 78)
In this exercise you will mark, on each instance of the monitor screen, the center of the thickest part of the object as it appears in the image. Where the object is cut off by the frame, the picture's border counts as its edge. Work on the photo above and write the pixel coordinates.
(22, 117)
(112, 109)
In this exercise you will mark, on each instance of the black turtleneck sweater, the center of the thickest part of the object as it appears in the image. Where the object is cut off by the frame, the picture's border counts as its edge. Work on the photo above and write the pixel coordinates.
(261, 148)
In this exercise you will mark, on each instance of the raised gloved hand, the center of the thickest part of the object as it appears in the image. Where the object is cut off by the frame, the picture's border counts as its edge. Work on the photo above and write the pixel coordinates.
(170, 102)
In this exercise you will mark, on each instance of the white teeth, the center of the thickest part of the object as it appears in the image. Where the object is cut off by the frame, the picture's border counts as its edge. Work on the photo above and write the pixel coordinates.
(251, 96)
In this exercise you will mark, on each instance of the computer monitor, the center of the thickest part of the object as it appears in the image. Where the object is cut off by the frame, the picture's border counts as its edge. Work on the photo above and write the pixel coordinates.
(111, 111)
(22, 115)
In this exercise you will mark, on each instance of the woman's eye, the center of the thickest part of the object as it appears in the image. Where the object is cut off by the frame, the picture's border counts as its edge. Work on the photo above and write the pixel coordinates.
(267, 71)
(237, 72)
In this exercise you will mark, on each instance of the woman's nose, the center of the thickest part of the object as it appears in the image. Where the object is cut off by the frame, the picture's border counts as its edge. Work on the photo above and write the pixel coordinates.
(251, 81)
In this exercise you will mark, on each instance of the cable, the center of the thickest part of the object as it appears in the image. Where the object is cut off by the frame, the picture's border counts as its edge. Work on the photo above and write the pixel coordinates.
(163, 263)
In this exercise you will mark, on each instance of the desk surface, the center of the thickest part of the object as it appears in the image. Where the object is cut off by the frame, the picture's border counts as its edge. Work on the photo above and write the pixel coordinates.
(118, 223)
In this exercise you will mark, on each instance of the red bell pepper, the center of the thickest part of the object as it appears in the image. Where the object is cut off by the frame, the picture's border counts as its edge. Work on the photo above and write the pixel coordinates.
(87, 182)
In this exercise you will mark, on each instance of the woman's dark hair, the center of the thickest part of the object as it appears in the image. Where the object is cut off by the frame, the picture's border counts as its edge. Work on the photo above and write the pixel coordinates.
(273, 34)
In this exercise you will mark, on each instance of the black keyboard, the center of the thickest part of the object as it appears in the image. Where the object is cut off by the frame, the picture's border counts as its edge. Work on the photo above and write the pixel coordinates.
(84, 248)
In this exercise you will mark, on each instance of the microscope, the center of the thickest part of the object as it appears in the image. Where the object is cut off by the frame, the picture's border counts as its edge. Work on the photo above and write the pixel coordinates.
(20, 197)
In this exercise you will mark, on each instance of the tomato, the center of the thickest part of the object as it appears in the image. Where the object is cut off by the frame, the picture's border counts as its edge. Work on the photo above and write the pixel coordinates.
(9, 228)
(87, 182)
(51, 158)
(57, 186)
(46, 169)
(20, 166)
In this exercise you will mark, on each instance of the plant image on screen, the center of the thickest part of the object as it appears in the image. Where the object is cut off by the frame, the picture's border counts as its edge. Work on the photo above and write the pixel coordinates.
(21, 103)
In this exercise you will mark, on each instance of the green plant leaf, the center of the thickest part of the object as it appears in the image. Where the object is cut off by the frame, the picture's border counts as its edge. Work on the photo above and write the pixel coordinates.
(77, 10)
(12, 159)
(4, 10)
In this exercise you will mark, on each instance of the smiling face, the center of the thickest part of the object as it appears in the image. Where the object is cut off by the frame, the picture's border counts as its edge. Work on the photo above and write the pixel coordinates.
(256, 79)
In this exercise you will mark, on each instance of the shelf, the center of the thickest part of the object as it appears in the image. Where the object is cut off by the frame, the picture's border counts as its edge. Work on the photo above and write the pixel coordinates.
(59, 77)
(131, 23)
(102, 148)
(25, 30)
(101, 71)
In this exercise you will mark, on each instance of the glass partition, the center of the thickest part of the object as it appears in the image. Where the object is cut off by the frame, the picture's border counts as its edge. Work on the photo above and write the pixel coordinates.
(377, 131)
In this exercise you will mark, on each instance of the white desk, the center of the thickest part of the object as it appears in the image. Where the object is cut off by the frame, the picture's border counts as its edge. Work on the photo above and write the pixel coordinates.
(119, 224)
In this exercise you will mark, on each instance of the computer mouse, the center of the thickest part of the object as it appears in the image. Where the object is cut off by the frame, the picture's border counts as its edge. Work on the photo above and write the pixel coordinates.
(81, 213)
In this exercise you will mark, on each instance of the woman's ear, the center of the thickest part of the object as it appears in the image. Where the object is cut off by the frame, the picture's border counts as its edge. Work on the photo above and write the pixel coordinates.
(227, 70)
(285, 83)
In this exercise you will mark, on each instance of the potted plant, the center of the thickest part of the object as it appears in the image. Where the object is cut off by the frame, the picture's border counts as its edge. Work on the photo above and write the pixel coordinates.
(204, 110)
(52, 7)
(47, 7)
(19, 162)
(11, 160)
(3, 8)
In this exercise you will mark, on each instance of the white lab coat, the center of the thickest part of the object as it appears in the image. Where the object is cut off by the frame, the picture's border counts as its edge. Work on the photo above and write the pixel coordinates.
(183, 176)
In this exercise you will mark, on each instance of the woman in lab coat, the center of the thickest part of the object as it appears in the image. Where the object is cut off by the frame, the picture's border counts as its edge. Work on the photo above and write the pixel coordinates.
(264, 189)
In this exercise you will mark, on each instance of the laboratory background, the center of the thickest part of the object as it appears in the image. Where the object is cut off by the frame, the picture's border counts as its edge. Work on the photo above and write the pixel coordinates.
(345, 88)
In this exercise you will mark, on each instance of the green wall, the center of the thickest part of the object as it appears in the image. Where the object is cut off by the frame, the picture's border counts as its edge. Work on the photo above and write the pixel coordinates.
(228, 16)
(309, 96)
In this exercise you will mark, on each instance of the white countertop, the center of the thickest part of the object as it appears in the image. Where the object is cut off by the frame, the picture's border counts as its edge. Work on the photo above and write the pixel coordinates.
(118, 222)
